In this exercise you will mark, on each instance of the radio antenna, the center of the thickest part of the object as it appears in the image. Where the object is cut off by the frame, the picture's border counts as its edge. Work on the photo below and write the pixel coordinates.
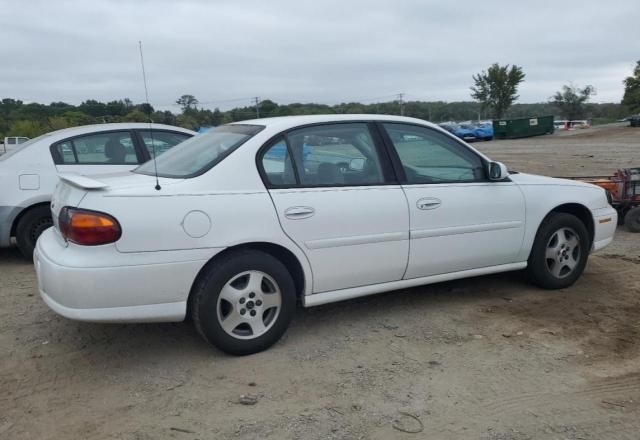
(146, 95)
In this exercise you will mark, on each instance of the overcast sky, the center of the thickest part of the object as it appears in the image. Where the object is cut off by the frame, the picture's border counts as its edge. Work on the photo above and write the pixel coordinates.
(225, 52)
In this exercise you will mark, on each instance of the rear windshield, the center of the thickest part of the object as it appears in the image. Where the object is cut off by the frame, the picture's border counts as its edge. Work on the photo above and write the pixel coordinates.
(200, 153)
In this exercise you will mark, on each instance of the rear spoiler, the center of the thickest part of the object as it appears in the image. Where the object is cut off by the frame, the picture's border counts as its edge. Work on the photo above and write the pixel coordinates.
(83, 182)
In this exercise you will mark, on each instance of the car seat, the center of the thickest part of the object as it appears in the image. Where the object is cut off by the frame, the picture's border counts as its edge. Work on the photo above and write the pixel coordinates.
(329, 174)
(115, 151)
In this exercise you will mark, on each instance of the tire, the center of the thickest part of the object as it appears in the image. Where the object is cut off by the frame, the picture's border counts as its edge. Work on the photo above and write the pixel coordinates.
(225, 292)
(560, 251)
(632, 219)
(30, 226)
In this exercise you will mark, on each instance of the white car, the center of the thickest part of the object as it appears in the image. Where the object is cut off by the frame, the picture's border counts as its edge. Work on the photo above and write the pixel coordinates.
(11, 143)
(249, 218)
(28, 175)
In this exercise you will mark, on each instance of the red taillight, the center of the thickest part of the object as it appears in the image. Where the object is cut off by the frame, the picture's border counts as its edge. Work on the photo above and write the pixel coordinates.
(89, 228)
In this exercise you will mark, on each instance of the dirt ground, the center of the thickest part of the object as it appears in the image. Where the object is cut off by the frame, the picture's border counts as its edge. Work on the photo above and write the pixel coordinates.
(485, 358)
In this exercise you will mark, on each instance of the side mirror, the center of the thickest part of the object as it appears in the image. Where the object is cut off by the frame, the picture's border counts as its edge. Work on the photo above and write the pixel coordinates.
(356, 164)
(498, 171)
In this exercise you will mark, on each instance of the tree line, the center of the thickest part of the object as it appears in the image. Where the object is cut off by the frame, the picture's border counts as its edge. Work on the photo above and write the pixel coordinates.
(496, 89)
(494, 92)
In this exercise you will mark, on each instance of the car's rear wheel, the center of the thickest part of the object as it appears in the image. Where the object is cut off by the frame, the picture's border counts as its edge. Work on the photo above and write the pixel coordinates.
(30, 226)
(632, 219)
(560, 251)
(244, 302)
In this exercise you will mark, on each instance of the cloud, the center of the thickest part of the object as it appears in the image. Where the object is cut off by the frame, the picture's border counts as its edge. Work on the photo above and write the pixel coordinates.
(225, 52)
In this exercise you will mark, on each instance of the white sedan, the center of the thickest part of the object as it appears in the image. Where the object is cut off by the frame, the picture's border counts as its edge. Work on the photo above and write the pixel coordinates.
(28, 174)
(234, 226)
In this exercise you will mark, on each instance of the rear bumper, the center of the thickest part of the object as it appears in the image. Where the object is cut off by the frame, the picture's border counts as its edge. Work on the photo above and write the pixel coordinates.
(605, 222)
(135, 290)
(168, 312)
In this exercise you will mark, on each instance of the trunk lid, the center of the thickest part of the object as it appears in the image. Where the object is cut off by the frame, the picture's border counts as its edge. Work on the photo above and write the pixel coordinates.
(73, 188)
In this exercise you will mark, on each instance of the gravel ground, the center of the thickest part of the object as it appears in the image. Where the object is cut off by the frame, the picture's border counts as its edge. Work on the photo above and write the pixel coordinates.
(483, 358)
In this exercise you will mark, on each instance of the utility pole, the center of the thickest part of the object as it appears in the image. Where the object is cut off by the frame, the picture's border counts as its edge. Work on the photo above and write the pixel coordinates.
(257, 101)
(401, 101)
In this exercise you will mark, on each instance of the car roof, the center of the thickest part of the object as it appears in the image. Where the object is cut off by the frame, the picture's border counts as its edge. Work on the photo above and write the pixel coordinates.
(58, 135)
(286, 122)
(82, 129)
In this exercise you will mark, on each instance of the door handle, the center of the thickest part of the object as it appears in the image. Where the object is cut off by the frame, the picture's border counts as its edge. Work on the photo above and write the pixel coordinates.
(299, 212)
(428, 203)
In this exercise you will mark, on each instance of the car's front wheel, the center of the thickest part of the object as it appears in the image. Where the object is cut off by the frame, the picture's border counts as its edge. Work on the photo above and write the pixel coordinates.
(560, 251)
(244, 302)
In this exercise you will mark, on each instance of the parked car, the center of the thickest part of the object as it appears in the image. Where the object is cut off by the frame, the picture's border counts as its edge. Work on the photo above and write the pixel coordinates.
(482, 132)
(11, 143)
(234, 236)
(28, 175)
(561, 124)
(580, 124)
(460, 131)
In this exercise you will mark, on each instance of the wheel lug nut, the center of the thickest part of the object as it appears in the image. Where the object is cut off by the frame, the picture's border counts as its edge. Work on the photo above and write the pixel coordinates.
(253, 313)
(251, 295)
(243, 311)
(242, 300)
(258, 303)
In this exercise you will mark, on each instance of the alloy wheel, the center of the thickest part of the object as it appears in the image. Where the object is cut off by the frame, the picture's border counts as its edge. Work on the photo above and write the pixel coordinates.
(249, 304)
(563, 252)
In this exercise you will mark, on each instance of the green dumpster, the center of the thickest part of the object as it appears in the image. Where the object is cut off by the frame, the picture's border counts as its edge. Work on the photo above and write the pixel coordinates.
(522, 127)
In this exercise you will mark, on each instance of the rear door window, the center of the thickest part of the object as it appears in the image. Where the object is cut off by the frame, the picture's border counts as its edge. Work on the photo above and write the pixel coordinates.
(108, 148)
(161, 141)
(63, 153)
(336, 155)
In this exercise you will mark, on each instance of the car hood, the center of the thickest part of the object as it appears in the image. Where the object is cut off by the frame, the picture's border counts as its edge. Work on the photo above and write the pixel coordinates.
(533, 179)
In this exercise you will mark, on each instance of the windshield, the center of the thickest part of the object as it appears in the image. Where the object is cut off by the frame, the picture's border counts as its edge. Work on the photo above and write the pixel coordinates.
(200, 153)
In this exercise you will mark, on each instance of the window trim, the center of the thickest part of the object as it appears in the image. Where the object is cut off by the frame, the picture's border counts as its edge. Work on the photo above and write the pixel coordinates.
(388, 175)
(397, 163)
(136, 148)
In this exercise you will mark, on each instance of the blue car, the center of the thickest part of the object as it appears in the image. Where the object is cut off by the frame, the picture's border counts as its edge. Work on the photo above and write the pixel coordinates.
(460, 131)
(482, 131)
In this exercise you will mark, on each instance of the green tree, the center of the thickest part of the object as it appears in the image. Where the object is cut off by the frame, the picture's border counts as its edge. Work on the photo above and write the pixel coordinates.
(631, 98)
(571, 101)
(28, 128)
(136, 115)
(497, 88)
(187, 121)
(75, 118)
(93, 108)
(57, 123)
(187, 102)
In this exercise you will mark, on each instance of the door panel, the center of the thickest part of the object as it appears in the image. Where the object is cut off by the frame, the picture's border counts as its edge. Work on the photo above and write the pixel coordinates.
(328, 186)
(459, 220)
(352, 236)
(474, 225)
